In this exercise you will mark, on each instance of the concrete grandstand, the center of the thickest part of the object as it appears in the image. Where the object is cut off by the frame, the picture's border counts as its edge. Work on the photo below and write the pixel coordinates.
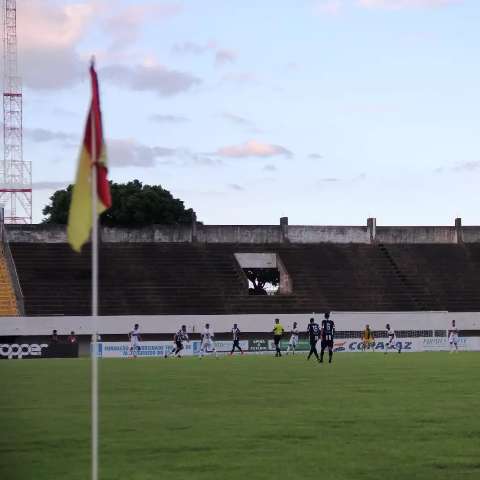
(194, 270)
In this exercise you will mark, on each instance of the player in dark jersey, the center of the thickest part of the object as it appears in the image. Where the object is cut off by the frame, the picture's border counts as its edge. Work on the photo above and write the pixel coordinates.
(313, 331)
(236, 339)
(327, 334)
(178, 339)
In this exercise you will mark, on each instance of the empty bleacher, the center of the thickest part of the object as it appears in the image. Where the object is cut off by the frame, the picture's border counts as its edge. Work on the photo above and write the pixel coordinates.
(448, 273)
(186, 278)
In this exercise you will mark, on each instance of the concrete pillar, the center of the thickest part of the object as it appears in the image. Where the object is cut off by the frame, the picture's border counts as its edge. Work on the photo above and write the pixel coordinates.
(286, 283)
(372, 229)
(2, 227)
(458, 230)
(194, 227)
(284, 228)
(2, 219)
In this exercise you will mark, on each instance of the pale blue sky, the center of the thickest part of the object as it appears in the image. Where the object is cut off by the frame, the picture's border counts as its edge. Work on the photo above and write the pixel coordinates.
(327, 112)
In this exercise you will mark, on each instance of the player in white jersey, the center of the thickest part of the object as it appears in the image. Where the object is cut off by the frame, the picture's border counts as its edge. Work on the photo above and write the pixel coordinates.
(207, 341)
(134, 336)
(292, 344)
(392, 340)
(453, 337)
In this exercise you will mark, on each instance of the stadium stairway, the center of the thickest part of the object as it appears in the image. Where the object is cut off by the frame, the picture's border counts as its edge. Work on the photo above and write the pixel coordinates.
(8, 301)
(449, 274)
(185, 278)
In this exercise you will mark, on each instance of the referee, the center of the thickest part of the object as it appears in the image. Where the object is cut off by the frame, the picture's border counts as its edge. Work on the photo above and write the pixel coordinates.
(277, 336)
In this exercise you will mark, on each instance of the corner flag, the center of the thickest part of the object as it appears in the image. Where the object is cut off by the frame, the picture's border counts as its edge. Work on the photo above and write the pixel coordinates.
(80, 214)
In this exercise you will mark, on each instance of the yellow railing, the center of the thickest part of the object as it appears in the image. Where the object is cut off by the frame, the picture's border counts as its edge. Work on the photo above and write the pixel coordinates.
(8, 302)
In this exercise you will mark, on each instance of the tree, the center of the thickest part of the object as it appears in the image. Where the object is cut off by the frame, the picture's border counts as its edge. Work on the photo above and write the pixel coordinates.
(133, 205)
(261, 276)
(57, 211)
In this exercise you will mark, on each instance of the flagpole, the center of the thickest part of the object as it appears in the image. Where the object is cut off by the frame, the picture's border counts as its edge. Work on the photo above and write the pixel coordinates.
(94, 406)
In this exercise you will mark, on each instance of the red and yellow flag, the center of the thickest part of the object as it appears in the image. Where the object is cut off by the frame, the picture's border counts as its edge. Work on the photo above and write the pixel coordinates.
(80, 214)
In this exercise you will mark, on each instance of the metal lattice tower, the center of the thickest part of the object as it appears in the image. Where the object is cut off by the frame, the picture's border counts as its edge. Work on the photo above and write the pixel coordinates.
(15, 173)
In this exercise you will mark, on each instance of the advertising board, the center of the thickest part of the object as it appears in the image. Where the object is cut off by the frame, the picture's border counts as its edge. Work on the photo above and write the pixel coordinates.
(19, 351)
(258, 345)
(160, 349)
(413, 344)
(11, 351)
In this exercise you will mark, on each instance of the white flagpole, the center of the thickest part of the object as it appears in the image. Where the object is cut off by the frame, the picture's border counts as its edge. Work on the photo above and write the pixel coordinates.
(94, 406)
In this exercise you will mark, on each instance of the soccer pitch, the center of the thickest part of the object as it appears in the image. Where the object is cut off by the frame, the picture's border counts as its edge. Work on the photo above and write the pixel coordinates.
(366, 416)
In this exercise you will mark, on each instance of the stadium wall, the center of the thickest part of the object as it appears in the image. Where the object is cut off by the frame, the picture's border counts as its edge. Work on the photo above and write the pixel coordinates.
(262, 323)
(260, 234)
(410, 325)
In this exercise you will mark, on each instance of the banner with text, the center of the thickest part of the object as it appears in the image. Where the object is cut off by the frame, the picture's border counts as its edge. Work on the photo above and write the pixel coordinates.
(413, 344)
(160, 349)
(352, 345)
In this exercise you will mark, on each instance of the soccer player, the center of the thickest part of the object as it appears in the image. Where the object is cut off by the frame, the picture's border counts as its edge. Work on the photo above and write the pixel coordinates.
(392, 339)
(313, 331)
(236, 339)
(277, 336)
(292, 344)
(178, 339)
(367, 339)
(453, 337)
(207, 341)
(327, 334)
(134, 337)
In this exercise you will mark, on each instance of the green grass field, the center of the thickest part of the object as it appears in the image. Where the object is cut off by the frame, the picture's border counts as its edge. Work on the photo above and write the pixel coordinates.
(366, 416)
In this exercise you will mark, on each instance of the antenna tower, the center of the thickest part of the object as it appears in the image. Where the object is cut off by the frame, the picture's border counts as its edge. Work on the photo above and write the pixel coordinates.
(15, 173)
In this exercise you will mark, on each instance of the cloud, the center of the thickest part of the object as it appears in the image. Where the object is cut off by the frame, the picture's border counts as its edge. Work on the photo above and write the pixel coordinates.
(469, 166)
(328, 7)
(241, 78)
(45, 24)
(237, 120)
(315, 156)
(403, 4)
(360, 178)
(51, 35)
(292, 66)
(38, 66)
(192, 48)
(253, 148)
(159, 118)
(236, 187)
(124, 25)
(62, 112)
(154, 78)
(224, 56)
(186, 157)
(41, 135)
(50, 185)
(129, 153)
(48, 35)
(335, 7)
(466, 167)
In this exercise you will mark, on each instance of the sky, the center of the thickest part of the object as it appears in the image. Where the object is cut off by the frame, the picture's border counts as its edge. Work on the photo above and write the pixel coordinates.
(327, 112)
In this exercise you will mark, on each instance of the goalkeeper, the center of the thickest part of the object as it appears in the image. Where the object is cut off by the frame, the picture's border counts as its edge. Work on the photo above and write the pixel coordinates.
(367, 339)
